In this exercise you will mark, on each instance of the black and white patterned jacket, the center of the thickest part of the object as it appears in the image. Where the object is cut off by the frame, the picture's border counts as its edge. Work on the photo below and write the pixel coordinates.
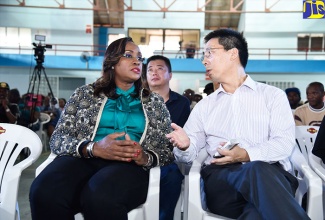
(80, 118)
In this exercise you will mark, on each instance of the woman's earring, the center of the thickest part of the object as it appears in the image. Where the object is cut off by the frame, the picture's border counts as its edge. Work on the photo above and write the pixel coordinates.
(112, 67)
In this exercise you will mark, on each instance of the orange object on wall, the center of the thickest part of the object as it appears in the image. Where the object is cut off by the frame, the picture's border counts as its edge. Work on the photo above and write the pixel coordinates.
(88, 29)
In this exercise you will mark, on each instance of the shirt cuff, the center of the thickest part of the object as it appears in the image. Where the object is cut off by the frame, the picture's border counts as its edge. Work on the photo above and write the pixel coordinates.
(253, 153)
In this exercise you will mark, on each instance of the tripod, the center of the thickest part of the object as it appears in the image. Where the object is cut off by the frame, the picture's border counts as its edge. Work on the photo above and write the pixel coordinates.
(33, 98)
(36, 77)
(180, 54)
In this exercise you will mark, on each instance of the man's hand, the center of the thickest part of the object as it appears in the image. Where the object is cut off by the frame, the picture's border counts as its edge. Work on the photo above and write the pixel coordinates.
(4, 102)
(178, 137)
(235, 155)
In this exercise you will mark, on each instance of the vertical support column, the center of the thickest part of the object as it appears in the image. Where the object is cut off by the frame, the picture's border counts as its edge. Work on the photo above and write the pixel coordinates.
(102, 40)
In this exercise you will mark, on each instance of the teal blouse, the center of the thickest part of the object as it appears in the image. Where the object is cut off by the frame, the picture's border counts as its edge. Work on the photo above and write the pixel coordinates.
(124, 114)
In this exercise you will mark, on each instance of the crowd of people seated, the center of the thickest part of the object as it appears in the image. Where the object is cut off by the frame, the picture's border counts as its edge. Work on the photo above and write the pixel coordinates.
(25, 109)
(311, 112)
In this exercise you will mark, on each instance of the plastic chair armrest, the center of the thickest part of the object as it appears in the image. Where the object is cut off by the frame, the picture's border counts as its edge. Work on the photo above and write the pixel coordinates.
(195, 210)
(316, 165)
(313, 182)
(152, 201)
(41, 167)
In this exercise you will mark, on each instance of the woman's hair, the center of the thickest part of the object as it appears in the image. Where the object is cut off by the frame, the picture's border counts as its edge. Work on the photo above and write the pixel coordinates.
(106, 83)
(63, 99)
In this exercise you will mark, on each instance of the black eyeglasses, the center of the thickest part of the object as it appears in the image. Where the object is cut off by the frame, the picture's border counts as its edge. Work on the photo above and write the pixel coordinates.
(129, 56)
(208, 53)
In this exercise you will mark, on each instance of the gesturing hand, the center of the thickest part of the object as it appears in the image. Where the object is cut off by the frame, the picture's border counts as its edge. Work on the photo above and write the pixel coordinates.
(178, 137)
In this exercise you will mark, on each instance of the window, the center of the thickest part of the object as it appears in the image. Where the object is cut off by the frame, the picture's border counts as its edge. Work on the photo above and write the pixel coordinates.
(303, 42)
(165, 39)
(316, 42)
(311, 42)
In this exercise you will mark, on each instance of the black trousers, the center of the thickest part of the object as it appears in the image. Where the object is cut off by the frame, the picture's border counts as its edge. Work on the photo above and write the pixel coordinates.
(255, 190)
(99, 189)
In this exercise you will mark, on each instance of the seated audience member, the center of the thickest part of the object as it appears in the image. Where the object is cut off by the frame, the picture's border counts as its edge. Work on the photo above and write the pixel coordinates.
(29, 113)
(197, 98)
(14, 97)
(156, 77)
(294, 97)
(9, 112)
(313, 112)
(319, 146)
(62, 103)
(55, 114)
(111, 133)
(252, 180)
(189, 93)
(46, 104)
(208, 89)
(49, 107)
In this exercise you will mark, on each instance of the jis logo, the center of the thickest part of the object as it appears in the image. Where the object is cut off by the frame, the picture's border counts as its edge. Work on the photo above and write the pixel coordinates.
(313, 9)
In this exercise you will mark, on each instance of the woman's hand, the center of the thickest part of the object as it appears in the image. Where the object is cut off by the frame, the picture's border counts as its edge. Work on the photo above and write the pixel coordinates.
(140, 157)
(122, 150)
(178, 137)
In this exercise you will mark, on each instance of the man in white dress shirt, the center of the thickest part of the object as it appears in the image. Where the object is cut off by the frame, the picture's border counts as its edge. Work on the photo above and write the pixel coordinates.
(251, 180)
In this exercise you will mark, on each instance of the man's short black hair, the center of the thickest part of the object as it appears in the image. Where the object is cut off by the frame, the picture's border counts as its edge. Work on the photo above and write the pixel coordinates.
(230, 39)
(159, 57)
(319, 85)
(208, 88)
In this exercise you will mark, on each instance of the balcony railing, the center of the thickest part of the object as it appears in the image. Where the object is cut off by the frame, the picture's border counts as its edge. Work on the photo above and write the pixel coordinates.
(99, 50)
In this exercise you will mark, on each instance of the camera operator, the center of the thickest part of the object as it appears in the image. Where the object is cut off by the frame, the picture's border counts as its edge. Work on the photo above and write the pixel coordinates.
(9, 113)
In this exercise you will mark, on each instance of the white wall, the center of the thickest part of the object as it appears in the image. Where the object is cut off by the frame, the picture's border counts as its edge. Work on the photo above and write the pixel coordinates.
(277, 30)
(301, 80)
(291, 20)
(60, 26)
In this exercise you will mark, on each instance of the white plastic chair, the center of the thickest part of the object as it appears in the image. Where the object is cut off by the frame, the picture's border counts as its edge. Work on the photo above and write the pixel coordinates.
(308, 181)
(147, 211)
(44, 119)
(305, 137)
(181, 208)
(14, 138)
(317, 165)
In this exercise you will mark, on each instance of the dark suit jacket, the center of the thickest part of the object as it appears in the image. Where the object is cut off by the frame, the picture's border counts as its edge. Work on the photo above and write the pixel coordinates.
(319, 146)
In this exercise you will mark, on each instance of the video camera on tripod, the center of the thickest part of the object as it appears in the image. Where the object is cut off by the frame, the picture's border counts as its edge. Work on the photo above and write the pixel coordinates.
(39, 49)
(34, 98)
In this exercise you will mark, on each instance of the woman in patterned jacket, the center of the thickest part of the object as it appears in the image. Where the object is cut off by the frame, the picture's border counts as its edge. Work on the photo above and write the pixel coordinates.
(109, 135)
